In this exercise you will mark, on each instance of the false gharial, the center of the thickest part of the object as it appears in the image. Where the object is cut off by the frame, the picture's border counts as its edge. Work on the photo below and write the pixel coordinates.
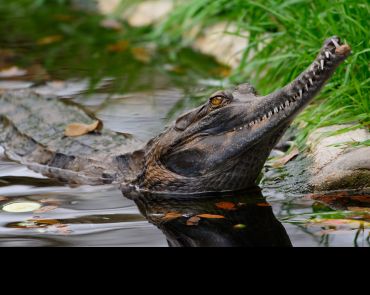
(221, 145)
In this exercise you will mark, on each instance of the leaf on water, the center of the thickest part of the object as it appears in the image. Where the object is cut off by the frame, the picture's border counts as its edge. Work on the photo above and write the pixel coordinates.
(111, 24)
(211, 216)
(21, 207)
(172, 215)
(49, 39)
(141, 54)
(53, 202)
(62, 228)
(45, 209)
(78, 129)
(226, 205)
(282, 161)
(193, 221)
(12, 72)
(3, 198)
(119, 46)
(45, 222)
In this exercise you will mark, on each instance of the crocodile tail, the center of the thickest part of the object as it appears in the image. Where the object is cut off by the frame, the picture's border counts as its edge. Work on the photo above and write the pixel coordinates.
(32, 133)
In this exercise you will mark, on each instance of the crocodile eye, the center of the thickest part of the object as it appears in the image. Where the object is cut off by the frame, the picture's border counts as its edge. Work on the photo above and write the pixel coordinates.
(217, 101)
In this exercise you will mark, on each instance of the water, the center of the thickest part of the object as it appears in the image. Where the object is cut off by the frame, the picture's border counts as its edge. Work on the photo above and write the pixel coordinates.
(140, 95)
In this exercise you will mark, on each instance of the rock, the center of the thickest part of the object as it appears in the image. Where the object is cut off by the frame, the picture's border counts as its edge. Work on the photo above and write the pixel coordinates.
(225, 47)
(108, 6)
(142, 14)
(148, 12)
(336, 164)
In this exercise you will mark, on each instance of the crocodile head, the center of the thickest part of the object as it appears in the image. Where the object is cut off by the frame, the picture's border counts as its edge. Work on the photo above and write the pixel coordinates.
(223, 144)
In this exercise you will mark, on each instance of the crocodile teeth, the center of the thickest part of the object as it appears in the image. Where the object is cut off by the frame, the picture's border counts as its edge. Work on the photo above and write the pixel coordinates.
(322, 64)
(287, 103)
(306, 86)
(264, 117)
(311, 82)
(335, 43)
(269, 114)
(327, 54)
(281, 107)
(276, 110)
(300, 93)
(251, 123)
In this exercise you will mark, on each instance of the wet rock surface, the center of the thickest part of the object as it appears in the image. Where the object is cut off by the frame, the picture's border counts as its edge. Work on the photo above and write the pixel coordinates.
(337, 162)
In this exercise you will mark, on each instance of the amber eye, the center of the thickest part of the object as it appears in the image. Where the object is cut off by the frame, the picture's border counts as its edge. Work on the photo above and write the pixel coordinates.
(217, 100)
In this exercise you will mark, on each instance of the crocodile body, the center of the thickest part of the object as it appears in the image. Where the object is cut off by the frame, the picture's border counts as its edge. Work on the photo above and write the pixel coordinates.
(220, 146)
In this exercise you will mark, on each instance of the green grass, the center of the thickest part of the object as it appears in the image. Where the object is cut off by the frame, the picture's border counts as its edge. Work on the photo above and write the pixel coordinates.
(290, 34)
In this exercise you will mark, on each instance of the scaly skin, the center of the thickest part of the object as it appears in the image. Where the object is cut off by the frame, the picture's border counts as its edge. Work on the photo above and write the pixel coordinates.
(220, 146)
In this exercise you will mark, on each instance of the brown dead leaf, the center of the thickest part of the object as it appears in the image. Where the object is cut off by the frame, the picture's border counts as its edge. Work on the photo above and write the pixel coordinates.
(211, 216)
(3, 198)
(38, 72)
(222, 71)
(13, 71)
(45, 209)
(62, 228)
(141, 54)
(111, 24)
(226, 205)
(282, 161)
(193, 221)
(45, 222)
(53, 202)
(119, 46)
(172, 215)
(78, 129)
(49, 39)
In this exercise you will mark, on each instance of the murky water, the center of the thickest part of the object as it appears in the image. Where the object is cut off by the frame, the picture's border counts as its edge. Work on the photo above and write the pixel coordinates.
(139, 94)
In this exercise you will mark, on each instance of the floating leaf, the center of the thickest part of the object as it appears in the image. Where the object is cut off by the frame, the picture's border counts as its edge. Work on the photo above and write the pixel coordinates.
(45, 222)
(45, 209)
(226, 205)
(54, 202)
(172, 215)
(12, 72)
(141, 54)
(282, 161)
(118, 46)
(193, 221)
(78, 129)
(211, 216)
(62, 228)
(49, 39)
(21, 207)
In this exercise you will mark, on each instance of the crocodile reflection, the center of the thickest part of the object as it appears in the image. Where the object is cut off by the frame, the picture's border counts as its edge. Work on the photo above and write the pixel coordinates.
(223, 220)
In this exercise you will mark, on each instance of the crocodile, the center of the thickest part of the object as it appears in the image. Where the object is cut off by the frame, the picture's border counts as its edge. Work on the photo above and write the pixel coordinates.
(221, 145)
(245, 220)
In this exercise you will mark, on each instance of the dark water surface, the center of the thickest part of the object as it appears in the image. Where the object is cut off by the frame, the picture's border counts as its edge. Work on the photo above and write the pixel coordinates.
(134, 87)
